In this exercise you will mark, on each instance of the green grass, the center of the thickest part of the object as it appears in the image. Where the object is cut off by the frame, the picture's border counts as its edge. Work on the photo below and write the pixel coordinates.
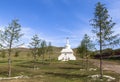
(54, 71)
(50, 71)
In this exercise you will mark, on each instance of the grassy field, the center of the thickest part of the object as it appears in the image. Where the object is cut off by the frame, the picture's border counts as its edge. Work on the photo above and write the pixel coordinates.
(51, 71)
(54, 71)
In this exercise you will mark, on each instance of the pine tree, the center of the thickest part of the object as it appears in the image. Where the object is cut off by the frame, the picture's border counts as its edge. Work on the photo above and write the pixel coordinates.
(35, 45)
(85, 47)
(9, 37)
(50, 50)
(102, 27)
(43, 49)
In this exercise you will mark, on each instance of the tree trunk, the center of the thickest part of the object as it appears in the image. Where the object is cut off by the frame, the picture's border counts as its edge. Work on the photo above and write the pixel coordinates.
(87, 63)
(86, 59)
(101, 70)
(35, 59)
(9, 63)
(83, 64)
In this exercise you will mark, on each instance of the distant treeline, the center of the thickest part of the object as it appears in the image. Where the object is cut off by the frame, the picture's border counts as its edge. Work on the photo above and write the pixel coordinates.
(109, 54)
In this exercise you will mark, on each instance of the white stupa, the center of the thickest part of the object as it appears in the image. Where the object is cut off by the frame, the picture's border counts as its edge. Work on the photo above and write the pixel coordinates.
(67, 52)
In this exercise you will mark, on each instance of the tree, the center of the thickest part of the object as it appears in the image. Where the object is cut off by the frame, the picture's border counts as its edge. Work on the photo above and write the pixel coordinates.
(102, 27)
(49, 50)
(81, 50)
(43, 49)
(17, 53)
(35, 45)
(9, 37)
(85, 47)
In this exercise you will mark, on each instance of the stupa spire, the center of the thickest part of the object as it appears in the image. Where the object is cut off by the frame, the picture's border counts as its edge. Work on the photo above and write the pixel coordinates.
(67, 43)
(67, 40)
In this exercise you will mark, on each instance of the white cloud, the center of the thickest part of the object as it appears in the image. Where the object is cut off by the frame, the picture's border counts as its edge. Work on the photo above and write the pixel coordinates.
(2, 27)
(28, 34)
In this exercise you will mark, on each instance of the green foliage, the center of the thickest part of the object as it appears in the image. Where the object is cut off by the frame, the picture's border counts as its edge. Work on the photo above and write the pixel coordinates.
(35, 45)
(11, 34)
(49, 50)
(85, 46)
(9, 37)
(43, 48)
(103, 27)
(17, 53)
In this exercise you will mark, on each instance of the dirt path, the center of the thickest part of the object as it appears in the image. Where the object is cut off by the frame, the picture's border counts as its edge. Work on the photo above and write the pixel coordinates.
(107, 65)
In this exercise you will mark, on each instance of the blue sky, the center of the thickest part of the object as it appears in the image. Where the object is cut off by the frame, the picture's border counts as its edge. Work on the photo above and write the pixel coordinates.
(54, 20)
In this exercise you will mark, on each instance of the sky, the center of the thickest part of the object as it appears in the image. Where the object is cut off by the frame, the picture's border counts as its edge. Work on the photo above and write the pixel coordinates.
(54, 20)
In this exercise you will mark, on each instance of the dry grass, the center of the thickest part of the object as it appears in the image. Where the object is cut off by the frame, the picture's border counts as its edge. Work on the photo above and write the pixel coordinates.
(48, 71)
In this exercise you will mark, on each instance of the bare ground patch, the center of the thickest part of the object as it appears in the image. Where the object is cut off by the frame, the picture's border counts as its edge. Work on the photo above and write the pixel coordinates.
(107, 65)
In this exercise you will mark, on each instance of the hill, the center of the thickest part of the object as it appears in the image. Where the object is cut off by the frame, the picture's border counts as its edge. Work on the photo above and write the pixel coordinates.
(26, 53)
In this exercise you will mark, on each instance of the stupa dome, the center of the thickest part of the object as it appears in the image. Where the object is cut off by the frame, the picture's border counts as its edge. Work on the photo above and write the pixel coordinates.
(67, 52)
